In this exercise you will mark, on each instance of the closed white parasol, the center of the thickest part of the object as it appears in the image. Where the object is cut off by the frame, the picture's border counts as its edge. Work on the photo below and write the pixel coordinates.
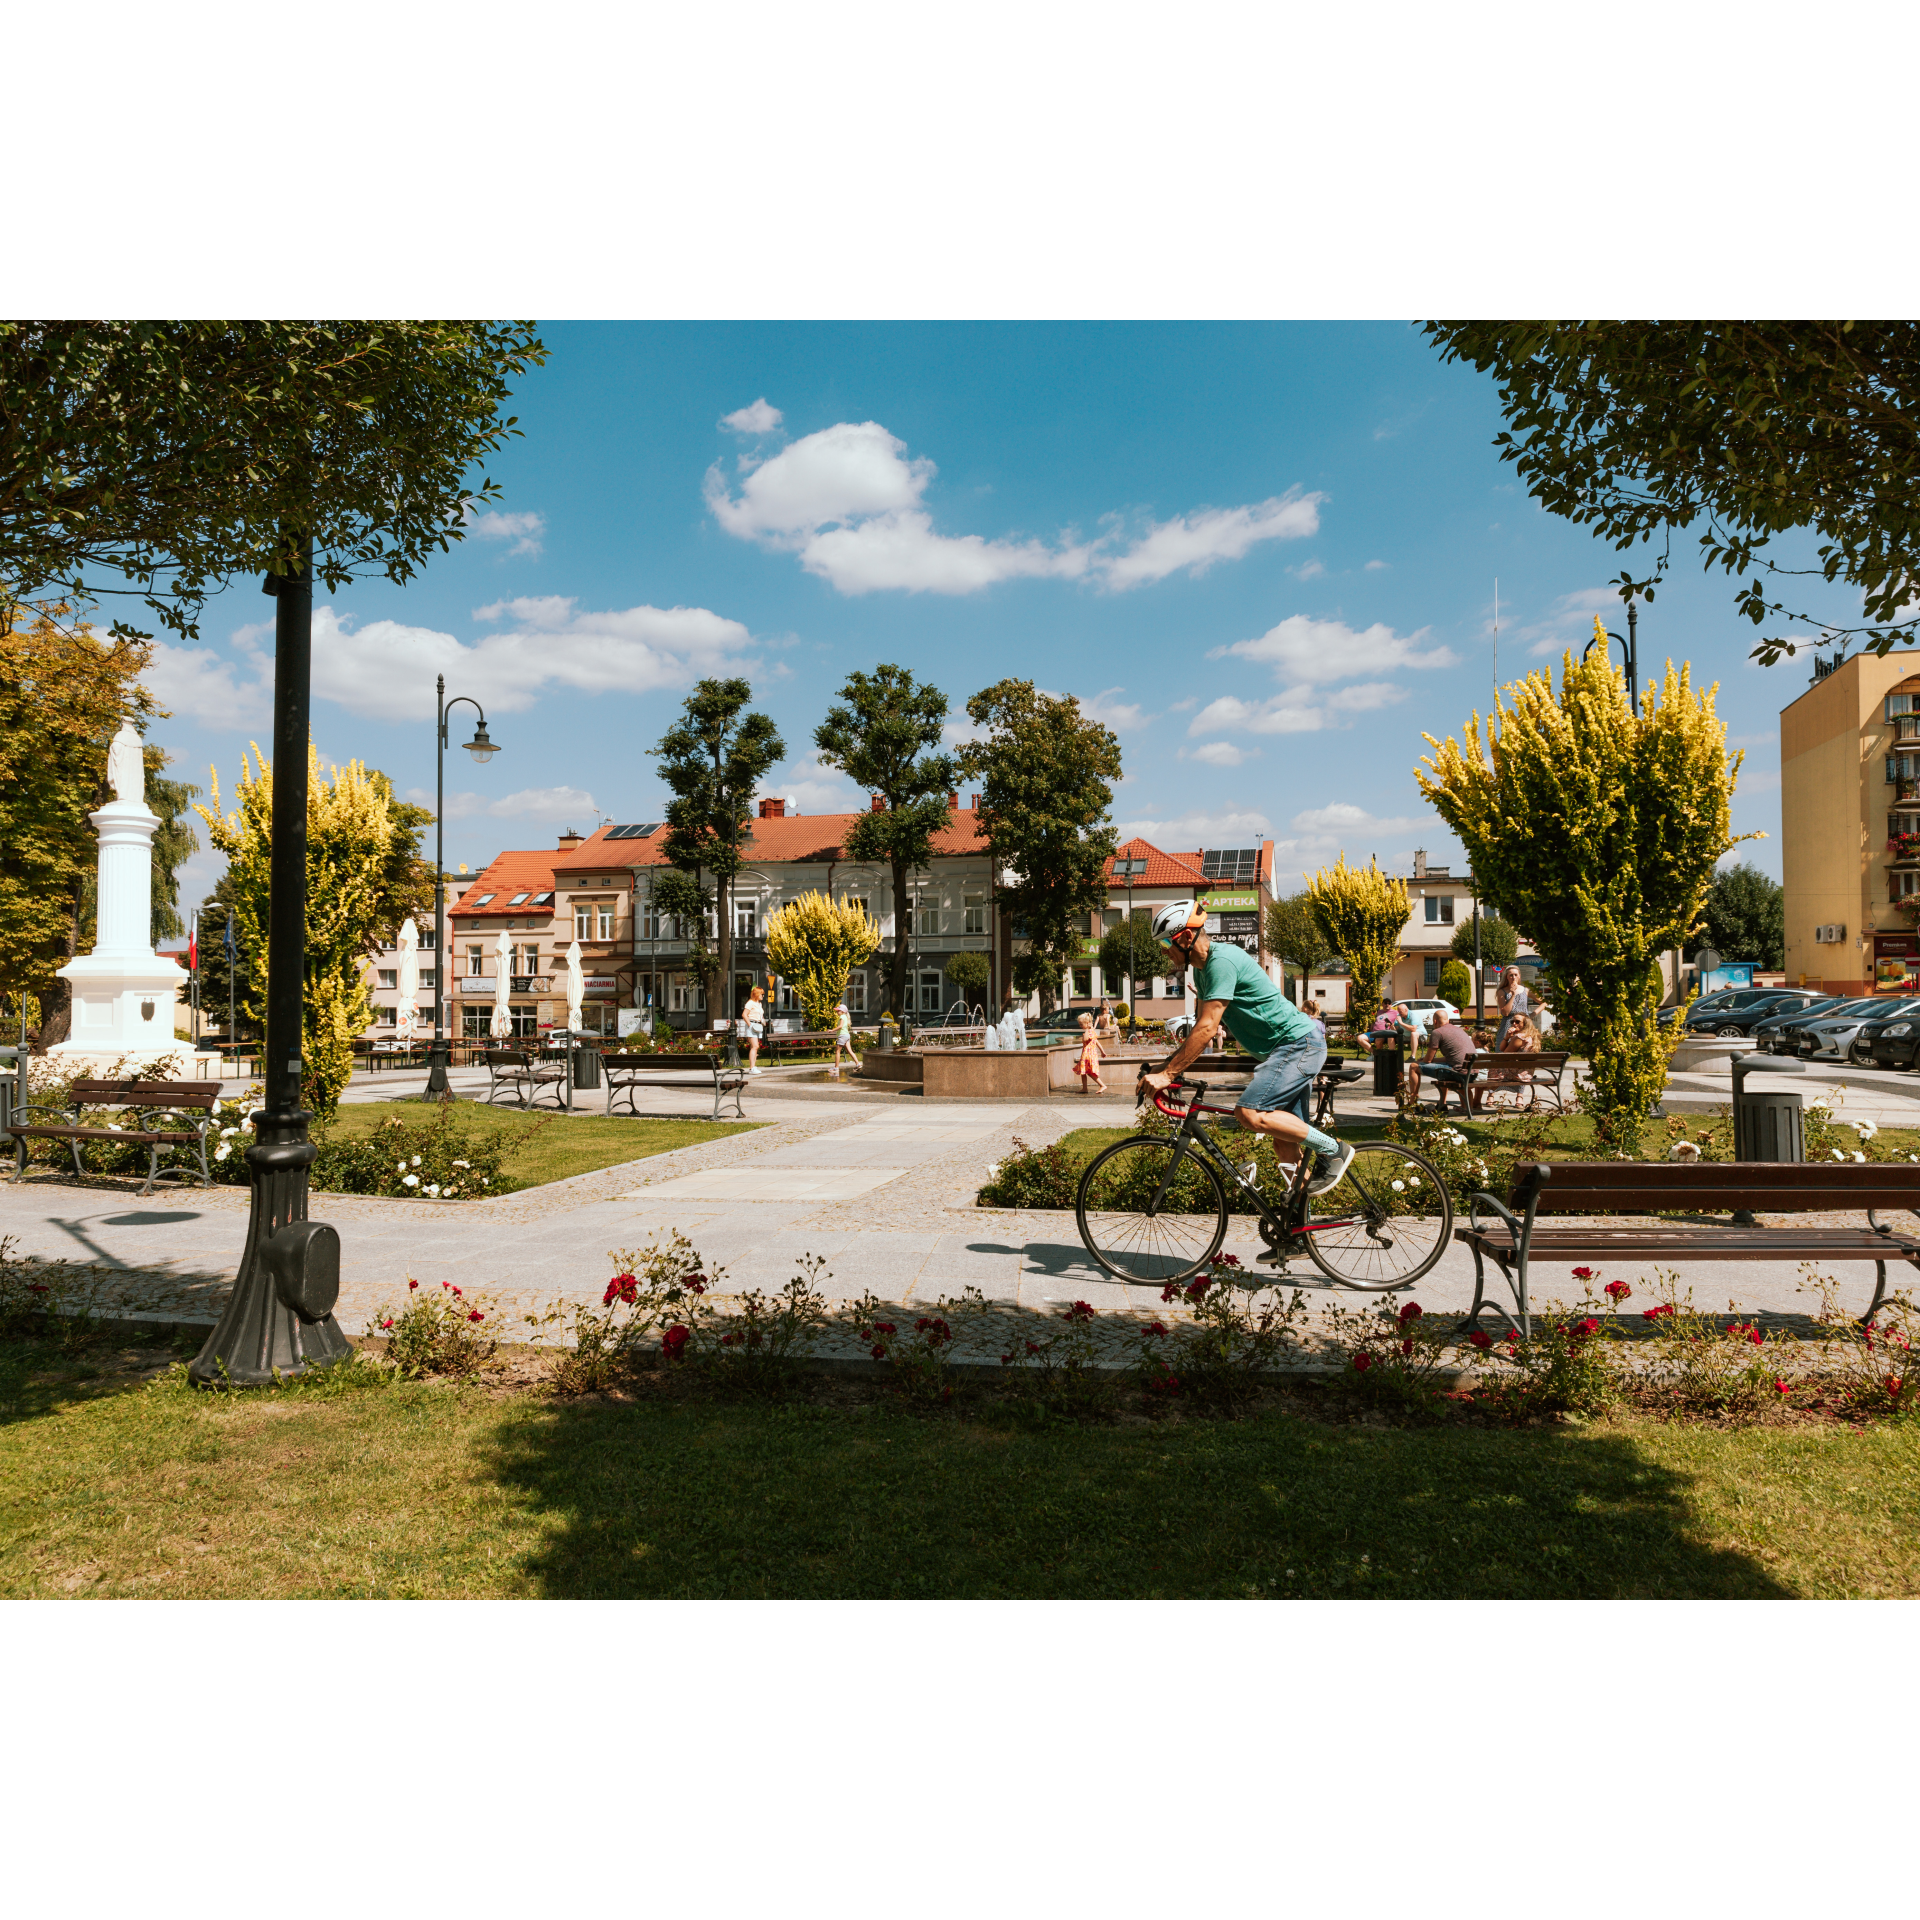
(407, 1015)
(501, 1026)
(576, 987)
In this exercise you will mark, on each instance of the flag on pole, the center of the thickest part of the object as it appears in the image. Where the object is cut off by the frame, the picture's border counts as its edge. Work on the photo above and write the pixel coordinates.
(229, 938)
(193, 949)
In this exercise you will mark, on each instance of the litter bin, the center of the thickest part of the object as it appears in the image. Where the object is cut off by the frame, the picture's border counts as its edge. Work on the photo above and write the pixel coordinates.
(10, 1058)
(586, 1069)
(1767, 1126)
(1388, 1058)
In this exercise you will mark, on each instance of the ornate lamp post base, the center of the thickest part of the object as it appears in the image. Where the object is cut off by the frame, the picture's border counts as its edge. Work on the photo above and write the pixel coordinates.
(280, 1319)
(439, 1051)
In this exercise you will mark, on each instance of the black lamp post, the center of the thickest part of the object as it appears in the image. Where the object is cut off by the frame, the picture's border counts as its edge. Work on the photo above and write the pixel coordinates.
(482, 750)
(1630, 649)
(1128, 870)
(280, 1318)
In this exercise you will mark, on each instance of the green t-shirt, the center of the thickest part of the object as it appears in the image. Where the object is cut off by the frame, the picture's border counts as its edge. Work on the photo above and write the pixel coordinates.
(1258, 1014)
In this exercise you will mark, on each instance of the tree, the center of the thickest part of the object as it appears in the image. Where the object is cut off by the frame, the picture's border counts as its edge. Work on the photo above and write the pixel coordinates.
(971, 974)
(1362, 914)
(214, 998)
(1036, 972)
(1456, 984)
(174, 841)
(713, 759)
(1129, 952)
(1499, 944)
(1045, 771)
(883, 736)
(814, 943)
(1293, 932)
(1746, 917)
(63, 693)
(681, 896)
(202, 449)
(1596, 830)
(1643, 428)
(358, 838)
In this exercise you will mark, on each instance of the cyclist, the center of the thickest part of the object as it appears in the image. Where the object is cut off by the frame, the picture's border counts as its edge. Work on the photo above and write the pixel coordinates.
(1230, 988)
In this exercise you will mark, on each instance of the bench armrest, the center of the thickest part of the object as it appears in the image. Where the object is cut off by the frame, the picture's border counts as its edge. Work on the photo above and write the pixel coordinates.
(65, 1109)
(1476, 1200)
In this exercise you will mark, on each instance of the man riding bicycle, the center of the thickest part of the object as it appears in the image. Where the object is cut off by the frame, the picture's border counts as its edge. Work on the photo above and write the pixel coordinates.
(1230, 988)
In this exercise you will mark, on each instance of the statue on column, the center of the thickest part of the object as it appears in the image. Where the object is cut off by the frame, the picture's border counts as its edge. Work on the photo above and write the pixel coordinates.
(127, 766)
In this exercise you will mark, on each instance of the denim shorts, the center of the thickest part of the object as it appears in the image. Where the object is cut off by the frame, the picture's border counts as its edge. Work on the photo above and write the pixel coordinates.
(1283, 1081)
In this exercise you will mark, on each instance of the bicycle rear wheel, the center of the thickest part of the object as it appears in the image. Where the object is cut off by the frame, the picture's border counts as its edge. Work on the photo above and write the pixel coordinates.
(1385, 1224)
(1144, 1218)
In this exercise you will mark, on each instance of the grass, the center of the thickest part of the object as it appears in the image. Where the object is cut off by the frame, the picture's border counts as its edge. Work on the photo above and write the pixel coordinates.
(559, 1147)
(115, 1483)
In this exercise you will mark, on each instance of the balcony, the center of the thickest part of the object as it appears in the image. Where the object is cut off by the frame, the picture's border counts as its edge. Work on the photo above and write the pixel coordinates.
(1906, 730)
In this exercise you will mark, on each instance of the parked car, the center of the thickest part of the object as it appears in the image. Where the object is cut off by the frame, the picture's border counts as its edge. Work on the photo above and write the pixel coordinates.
(1420, 1014)
(1891, 1042)
(1723, 996)
(1829, 1033)
(1770, 1034)
(1738, 1018)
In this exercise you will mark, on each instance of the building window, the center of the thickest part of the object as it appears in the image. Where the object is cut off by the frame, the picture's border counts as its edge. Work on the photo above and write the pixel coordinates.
(856, 993)
(583, 923)
(783, 998)
(1902, 766)
(746, 919)
(475, 1022)
(429, 978)
(1430, 972)
(387, 1016)
(526, 1022)
(974, 906)
(649, 922)
(603, 913)
(476, 962)
(686, 995)
(1903, 884)
(926, 913)
(929, 993)
(389, 979)
(429, 942)
(1439, 909)
(1083, 983)
(1899, 703)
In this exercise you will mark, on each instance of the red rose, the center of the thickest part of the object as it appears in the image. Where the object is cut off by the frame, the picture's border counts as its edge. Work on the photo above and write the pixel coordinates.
(885, 1326)
(1480, 1338)
(1080, 1310)
(476, 1316)
(1226, 1259)
(1780, 1386)
(1033, 1346)
(1758, 1338)
(385, 1324)
(456, 1293)
(1170, 1293)
(696, 1283)
(673, 1342)
(38, 1286)
(1406, 1346)
(1411, 1311)
(412, 1285)
(1156, 1330)
(1362, 1361)
(1583, 1273)
(1894, 1384)
(1617, 1290)
(1587, 1326)
(1197, 1290)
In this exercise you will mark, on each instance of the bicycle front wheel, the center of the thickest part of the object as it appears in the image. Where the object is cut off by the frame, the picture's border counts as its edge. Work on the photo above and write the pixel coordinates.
(1146, 1216)
(1385, 1224)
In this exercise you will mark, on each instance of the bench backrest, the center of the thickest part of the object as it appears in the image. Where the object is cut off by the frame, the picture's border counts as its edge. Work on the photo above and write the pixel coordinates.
(1516, 1057)
(1761, 1186)
(506, 1059)
(143, 1093)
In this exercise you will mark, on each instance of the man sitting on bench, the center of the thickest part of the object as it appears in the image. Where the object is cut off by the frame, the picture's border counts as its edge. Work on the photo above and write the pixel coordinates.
(1454, 1045)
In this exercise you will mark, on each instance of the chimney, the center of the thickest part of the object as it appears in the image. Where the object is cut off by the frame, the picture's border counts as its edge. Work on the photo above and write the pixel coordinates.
(973, 801)
(1420, 863)
(953, 803)
(569, 840)
(773, 809)
(879, 803)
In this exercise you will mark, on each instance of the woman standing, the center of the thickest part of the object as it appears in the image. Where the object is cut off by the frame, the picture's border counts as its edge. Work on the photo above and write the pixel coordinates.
(753, 1021)
(1514, 1003)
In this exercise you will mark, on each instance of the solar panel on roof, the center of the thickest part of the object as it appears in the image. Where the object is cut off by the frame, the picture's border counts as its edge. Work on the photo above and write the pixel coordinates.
(1230, 863)
(635, 833)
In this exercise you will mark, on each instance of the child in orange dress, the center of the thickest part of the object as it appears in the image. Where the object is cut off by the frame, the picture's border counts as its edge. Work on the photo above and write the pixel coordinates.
(1088, 1065)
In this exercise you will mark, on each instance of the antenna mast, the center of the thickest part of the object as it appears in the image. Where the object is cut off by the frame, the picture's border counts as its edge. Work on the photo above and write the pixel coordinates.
(1496, 641)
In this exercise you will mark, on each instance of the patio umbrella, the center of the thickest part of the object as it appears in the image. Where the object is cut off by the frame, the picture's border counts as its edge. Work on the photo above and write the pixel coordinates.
(576, 987)
(407, 1013)
(501, 1026)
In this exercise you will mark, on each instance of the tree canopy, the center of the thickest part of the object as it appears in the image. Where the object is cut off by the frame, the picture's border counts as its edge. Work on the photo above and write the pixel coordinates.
(713, 759)
(884, 735)
(1129, 954)
(170, 455)
(1746, 917)
(1293, 932)
(1748, 429)
(1363, 914)
(1046, 772)
(1499, 943)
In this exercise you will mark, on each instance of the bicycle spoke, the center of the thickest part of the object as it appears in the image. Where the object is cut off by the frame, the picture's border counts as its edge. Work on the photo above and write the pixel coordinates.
(1145, 1219)
(1385, 1224)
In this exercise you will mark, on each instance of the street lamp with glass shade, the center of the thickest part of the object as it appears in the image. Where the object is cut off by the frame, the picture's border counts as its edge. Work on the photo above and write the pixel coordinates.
(483, 749)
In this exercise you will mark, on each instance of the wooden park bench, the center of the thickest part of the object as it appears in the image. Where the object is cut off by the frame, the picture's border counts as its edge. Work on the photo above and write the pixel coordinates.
(164, 1117)
(1530, 1077)
(627, 1071)
(1509, 1236)
(522, 1077)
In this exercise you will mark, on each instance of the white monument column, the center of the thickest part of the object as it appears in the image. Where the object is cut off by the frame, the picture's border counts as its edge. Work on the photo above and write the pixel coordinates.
(124, 994)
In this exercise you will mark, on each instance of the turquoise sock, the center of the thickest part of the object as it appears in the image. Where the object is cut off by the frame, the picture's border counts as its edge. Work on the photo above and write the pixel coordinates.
(1319, 1142)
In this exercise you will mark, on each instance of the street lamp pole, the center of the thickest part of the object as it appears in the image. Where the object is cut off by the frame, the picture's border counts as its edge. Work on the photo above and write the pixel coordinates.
(482, 750)
(1128, 868)
(279, 1319)
(1630, 650)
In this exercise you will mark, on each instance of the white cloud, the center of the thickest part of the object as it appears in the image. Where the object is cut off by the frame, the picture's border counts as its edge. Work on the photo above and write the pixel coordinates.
(1123, 716)
(385, 671)
(758, 418)
(1316, 836)
(1309, 570)
(1320, 651)
(1568, 623)
(1217, 753)
(1194, 542)
(851, 503)
(570, 804)
(1284, 713)
(1369, 697)
(1376, 566)
(1226, 827)
(1329, 823)
(196, 683)
(806, 784)
(523, 529)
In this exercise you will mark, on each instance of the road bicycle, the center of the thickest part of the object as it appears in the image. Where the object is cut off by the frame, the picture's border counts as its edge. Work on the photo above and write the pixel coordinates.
(1154, 1208)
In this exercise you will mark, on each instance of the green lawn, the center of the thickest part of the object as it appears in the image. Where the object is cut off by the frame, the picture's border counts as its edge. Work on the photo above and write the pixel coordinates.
(560, 1147)
(109, 1486)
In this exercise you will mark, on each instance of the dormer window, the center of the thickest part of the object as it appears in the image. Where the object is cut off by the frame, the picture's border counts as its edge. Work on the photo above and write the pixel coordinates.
(483, 900)
(516, 900)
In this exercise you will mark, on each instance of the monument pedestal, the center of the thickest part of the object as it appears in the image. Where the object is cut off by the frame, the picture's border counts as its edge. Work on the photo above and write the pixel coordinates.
(124, 994)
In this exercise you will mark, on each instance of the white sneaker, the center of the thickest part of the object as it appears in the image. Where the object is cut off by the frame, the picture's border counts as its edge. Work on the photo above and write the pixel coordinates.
(1333, 1171)
(753, 1069)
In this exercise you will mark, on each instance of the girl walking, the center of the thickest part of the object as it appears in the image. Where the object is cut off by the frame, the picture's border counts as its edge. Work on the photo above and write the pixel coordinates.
(1088, 1065)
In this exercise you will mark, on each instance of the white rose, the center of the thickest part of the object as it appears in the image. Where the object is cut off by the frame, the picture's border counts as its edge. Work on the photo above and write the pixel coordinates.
(1399, 1186)
(416, 1159)
(461, 1163)
(412, 1180)
(220, 1153)
(434, 1189)
(1865, 1129)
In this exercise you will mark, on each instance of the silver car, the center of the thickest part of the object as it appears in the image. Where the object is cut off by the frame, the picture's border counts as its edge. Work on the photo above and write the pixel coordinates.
(1830, 1033)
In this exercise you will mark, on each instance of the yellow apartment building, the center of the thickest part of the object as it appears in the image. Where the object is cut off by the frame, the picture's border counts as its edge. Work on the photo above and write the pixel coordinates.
(1850, 825)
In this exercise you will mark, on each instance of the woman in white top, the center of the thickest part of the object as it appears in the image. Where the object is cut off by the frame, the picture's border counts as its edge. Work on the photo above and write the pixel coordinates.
(753, 1020)
(842, 1038)
(1514, 1003)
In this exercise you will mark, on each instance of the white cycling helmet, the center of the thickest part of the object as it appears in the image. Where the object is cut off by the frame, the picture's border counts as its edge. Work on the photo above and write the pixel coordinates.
(1176, 917)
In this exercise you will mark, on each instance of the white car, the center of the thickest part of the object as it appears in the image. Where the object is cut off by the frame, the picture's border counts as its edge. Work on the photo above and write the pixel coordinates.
(1421, 1014)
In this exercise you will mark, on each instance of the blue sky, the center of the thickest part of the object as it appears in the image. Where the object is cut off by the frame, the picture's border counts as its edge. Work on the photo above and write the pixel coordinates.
(1264, 553)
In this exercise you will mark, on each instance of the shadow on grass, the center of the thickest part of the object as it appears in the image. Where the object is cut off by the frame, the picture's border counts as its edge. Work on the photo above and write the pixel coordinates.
(704, 1500)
